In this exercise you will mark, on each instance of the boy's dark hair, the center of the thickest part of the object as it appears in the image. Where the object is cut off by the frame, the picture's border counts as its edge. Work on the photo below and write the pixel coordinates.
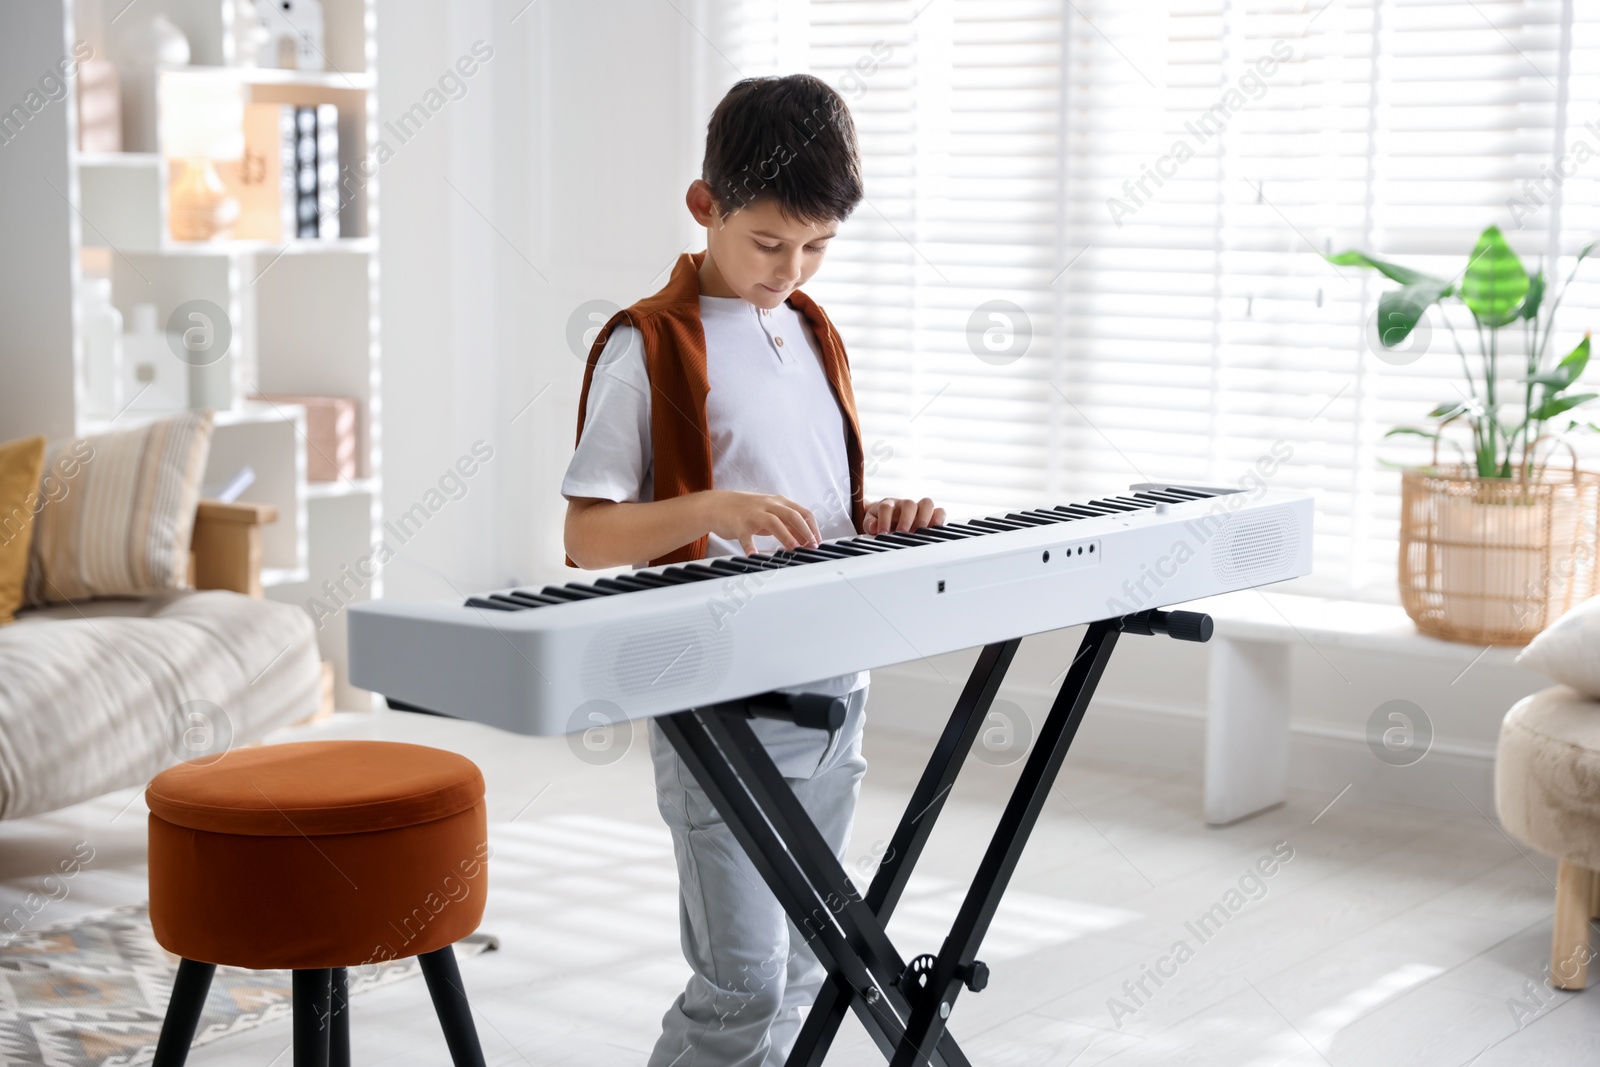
(788, 139)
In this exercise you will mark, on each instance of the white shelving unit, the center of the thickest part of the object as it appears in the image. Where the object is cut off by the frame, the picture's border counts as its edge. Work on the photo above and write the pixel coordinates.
(304, 314)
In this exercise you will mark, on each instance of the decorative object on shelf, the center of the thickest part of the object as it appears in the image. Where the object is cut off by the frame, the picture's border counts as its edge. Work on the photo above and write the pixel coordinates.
(305, 175)
(203, 122)
(1493, 548)
(256, 179)
(333, 435)
(328, 171)
(153, 379)
(249, 35)
(126, 511)
(292, 34)
(140, 48)
(101, 323)
(99, 106)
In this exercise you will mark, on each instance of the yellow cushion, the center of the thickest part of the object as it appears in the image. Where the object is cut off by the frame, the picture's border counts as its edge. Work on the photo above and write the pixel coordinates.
(19, 488)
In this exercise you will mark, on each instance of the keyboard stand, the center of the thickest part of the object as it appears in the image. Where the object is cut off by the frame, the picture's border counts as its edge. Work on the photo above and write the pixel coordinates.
(904, 1007)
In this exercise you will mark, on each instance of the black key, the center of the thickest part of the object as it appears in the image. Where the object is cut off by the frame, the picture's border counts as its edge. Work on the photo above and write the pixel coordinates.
(649, 578)
(847, 550)
(700, 571)
(527, 599)
(764, 560)
(674, 576)
(587, 587)
(811, 555)
(563, 593)
(944, 533)
(491, 605)
(874, 542)
(911, 539)
(1113, 505)
(1191, 494)
(727, 565)
(996, 524)
(1161, 498)
(831, 552)
(966, 528)
(1083, 511)
(1051, 516)
(1134, 501)
(1026, 520)
(620, 584)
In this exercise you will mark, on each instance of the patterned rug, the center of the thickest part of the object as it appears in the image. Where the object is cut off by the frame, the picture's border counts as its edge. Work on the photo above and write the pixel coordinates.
(92, 991)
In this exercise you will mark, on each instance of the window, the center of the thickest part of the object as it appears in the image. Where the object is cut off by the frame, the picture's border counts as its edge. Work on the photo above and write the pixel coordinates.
(1090, 250)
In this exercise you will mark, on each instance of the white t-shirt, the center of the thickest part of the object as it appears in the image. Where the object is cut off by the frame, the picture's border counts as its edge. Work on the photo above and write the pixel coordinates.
(774, 422)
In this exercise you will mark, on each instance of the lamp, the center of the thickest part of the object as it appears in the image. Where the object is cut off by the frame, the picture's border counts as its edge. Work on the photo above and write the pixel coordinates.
(202, 121)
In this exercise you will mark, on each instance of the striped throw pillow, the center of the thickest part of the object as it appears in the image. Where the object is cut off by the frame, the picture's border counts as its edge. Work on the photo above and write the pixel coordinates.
(117, 521)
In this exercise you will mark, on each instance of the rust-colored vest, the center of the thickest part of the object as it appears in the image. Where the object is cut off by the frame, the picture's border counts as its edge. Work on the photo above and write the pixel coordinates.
(675, 359)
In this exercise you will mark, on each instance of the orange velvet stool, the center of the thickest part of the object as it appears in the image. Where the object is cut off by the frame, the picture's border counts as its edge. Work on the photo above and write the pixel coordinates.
(315, 857)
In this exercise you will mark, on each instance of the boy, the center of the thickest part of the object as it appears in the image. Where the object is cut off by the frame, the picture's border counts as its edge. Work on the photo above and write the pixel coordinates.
(717, 418)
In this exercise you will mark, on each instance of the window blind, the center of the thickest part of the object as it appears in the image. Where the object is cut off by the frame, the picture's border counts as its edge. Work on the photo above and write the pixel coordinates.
(1091, 250)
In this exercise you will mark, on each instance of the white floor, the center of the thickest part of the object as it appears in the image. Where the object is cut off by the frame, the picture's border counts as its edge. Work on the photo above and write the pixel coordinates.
(1393, 935)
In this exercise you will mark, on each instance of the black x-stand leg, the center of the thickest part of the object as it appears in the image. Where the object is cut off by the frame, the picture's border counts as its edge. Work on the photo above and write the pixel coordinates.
(904, 1008)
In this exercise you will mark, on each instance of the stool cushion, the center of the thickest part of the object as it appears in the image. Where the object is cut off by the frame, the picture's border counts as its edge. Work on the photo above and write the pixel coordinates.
(385, 855)
(1547, 774)
(316, 787)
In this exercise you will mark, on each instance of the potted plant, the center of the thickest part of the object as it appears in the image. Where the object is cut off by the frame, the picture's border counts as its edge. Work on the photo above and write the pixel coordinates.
(1496, 545)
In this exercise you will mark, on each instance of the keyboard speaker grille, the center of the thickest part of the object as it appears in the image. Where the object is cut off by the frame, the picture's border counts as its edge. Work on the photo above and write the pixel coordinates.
(682, 654)
(1255, 548)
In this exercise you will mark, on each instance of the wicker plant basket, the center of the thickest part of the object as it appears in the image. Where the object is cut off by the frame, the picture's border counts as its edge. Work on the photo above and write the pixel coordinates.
(1491, 561)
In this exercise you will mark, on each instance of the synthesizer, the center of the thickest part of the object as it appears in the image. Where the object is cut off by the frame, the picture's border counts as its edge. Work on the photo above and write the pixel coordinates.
(658, 640)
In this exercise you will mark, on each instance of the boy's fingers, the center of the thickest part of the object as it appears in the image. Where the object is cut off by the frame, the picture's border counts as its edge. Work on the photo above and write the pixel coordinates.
(748, 545)
(907, 515)
(795, 529)
(924, 512)
(938, 517)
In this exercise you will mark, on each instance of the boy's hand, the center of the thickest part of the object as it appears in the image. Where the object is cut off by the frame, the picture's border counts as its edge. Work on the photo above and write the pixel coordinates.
(902, 516)
(745, 516)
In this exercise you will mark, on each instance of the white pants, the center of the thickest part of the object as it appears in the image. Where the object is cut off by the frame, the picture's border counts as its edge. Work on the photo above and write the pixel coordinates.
(752, 969)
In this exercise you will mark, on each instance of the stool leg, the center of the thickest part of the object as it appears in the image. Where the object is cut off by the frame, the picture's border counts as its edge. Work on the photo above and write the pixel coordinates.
(1569, 952)
(311, 991)
(189, 991)
(450, 1003)
(339, 1034)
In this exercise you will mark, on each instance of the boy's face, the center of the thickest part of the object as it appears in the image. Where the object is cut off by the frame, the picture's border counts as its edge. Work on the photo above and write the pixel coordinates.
(757, 252)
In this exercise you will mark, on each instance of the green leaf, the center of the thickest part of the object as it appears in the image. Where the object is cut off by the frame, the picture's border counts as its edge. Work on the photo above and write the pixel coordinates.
(1393, 271)
(1530, 303)
(1450, 409)
(1555, 405)
(1399, 310)
(1573, 363)
(1414, 431)
(1494, 282)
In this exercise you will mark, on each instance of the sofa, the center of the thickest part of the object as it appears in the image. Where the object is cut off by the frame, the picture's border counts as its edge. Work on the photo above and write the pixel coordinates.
(101, 694)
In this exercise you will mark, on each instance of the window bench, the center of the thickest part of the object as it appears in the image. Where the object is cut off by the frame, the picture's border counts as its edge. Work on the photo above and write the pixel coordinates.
(1248, 696)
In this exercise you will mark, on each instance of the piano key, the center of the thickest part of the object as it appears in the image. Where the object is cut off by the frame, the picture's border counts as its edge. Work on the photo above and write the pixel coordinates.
(622, 583)
(1084, 511)
(944, 533)
(1112, 504)
(811, 555)
(848, 550)
(1161, 498)
(563, 593)
(910, 540)
(870, 541)
(1134, 501)
(1026, 520)
(1190, 494)
(589, 587)
(967, 528)
(830, 551)
(491, 605)
(996, 524)
(732, 565)
(1053, 516)
(529, 599)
